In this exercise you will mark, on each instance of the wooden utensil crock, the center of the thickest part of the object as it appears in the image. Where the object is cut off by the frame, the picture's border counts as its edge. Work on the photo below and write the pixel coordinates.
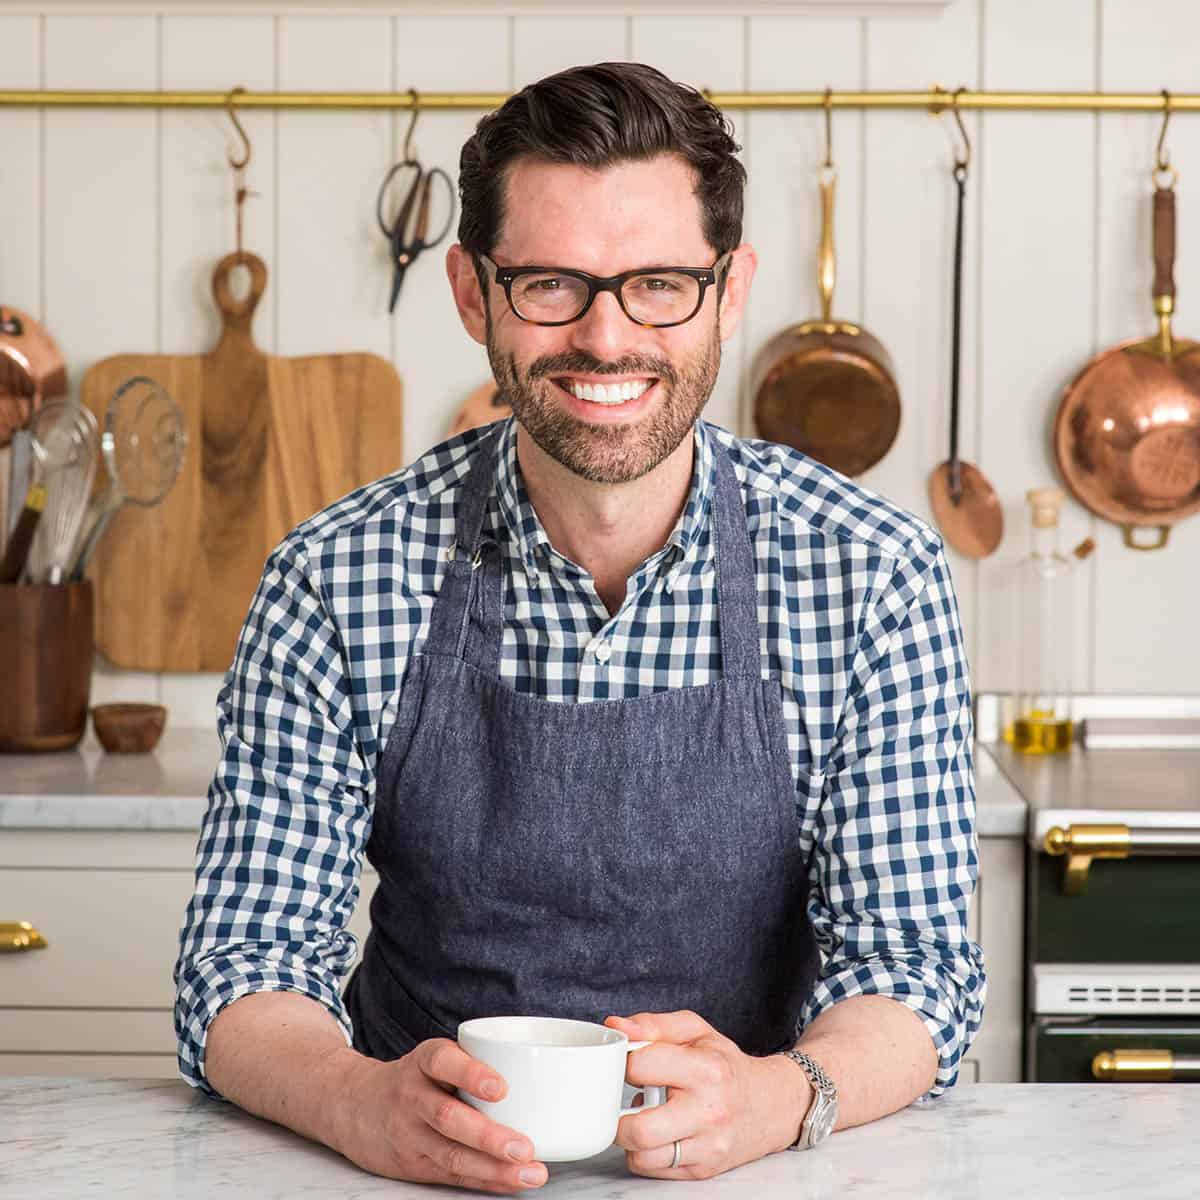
(46, 647)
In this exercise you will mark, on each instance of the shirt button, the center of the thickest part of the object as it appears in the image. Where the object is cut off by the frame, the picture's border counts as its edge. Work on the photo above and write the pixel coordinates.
(603, 652)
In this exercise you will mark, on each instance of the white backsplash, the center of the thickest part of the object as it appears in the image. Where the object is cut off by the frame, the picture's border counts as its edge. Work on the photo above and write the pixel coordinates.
(113, 221)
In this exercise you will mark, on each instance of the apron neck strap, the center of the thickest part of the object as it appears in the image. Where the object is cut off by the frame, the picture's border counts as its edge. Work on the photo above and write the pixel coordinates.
(474, 575)
(733, 556)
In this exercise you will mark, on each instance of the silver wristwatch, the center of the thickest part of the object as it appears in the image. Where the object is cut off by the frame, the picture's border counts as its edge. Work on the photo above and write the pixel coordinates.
(822, 1114)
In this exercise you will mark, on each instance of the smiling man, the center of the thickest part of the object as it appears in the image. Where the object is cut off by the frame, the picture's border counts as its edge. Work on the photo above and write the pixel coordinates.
(637, 721)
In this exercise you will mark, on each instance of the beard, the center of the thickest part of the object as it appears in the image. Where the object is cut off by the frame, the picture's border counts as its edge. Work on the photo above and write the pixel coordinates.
(607, 453)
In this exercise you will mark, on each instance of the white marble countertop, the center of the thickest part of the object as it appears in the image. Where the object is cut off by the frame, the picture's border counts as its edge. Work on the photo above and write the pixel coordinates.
(86, 788)
(66, 1138)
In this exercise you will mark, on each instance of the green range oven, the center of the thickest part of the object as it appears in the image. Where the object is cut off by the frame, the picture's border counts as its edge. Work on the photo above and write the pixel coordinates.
(1112, 915)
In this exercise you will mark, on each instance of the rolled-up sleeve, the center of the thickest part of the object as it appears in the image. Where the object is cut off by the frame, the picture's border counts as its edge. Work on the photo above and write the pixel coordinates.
(895, 857)
(281, 845)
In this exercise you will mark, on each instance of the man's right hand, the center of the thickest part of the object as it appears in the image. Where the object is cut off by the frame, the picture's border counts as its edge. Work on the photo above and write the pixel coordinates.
(402, 1120)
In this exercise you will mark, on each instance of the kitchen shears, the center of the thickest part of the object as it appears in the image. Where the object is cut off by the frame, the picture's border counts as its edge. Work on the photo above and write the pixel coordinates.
(407, 232)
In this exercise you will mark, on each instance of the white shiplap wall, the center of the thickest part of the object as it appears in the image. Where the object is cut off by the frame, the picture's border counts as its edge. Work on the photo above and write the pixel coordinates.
(111, 222)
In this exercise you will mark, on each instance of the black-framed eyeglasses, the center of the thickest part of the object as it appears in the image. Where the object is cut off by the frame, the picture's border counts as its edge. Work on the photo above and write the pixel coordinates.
(653, 296)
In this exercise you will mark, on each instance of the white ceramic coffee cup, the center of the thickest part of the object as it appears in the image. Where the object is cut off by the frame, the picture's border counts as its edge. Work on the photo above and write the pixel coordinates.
(566, 1081)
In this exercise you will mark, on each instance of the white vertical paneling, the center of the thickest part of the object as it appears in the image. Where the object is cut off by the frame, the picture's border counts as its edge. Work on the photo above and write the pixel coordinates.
(113, 220)
(101, 274)
(785, 151)
(20, 171)
(1145, 633)
(908, 246)
(1038, 275)
(332, 274)
(211, 53)
(439, 363)
(543, 45)
(198, 229)
(20, 168)
(705, 52)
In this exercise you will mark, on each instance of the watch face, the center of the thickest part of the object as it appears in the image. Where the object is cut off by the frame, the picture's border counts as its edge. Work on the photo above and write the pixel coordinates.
(823, 1123)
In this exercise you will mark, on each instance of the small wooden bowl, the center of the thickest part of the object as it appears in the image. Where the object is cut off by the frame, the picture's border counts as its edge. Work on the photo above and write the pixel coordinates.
(129, 728)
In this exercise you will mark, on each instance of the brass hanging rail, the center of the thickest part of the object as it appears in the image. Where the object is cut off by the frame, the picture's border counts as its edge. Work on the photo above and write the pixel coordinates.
(934, 101)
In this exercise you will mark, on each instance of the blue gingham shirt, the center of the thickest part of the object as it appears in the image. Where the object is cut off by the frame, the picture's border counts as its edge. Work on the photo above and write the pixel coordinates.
(857, 620)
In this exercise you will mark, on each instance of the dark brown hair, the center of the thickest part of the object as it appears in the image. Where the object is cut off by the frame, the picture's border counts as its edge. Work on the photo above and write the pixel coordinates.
(598, 116)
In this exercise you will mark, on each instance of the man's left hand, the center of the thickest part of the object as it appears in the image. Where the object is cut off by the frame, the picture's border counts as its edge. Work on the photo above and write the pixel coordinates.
(724, 1107)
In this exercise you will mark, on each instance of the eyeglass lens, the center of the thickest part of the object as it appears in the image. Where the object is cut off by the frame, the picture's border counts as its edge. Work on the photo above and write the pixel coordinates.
(658, 299)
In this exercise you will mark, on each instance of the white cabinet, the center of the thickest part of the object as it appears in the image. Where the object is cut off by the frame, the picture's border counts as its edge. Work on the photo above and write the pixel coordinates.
(98, 1000)
(997, 923)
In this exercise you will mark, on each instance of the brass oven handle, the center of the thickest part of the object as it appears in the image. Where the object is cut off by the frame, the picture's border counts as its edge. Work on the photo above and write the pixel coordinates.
(19, 935)
(1145, 1066)
(1082, 843)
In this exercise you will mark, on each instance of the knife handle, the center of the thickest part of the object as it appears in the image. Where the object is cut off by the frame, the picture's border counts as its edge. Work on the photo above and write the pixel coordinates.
(22, 536)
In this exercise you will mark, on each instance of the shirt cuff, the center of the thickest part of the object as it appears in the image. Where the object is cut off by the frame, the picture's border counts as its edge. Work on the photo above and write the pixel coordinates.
(206, 988)
(951, 1031)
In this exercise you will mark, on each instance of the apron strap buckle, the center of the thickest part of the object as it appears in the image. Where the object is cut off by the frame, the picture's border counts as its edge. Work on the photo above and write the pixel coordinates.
(475, 562)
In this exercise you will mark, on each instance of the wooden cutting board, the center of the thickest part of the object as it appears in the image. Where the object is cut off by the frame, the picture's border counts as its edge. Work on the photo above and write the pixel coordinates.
(270, 442)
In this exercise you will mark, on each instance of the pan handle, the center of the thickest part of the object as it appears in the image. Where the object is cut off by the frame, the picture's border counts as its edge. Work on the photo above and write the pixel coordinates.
(1164, 265)
(826, 262)
(1130, 532)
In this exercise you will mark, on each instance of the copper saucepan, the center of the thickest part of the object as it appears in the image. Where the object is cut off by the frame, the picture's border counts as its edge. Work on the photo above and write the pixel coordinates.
(31, 370)
(1127, 434)
(827, 387)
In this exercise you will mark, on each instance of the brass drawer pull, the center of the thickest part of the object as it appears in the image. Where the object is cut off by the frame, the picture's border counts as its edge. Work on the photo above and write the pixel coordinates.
(1145, 1066)
(1082, 843)
(19, 935)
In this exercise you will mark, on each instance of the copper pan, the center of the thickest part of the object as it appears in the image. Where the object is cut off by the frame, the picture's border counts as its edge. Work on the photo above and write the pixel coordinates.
(1127, 434)
(31, 370)
(827, 387)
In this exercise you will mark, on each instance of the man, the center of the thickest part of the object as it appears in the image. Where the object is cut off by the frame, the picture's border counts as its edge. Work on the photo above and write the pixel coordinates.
(637, 721)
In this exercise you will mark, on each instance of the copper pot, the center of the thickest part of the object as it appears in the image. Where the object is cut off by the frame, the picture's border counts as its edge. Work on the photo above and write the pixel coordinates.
(827, 387)
(31, 370)
(1127, 434)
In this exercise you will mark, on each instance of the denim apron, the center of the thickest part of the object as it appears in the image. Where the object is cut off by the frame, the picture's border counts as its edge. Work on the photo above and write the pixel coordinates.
(577, 860)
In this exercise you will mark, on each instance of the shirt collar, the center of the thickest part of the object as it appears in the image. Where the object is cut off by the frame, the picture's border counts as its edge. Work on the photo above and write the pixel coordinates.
(519, 516)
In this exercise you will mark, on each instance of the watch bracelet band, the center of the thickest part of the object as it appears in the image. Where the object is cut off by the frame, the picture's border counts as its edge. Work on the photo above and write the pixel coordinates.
(823, 1087)
(812, 1068)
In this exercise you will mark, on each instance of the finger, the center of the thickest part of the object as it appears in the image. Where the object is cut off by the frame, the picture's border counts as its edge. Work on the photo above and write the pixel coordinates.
(683, 1116)
(682, 1026)
(446, 1062)
(690, 1067)
(466, 1127)
(451, 1163)
(659, 1161)
(465, 1167)
(700, 1157)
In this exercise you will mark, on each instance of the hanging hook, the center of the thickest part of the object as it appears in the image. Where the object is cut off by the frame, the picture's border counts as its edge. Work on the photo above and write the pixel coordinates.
(412, 121)
(961, 163)
(1162, 156)
(245, 161)
(828, 127)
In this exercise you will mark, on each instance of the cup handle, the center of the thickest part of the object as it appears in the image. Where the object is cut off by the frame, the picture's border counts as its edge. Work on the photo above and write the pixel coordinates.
(651, 1094)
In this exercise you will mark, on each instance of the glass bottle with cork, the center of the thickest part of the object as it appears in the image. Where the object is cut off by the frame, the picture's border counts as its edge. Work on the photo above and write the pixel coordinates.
(1044, 720)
